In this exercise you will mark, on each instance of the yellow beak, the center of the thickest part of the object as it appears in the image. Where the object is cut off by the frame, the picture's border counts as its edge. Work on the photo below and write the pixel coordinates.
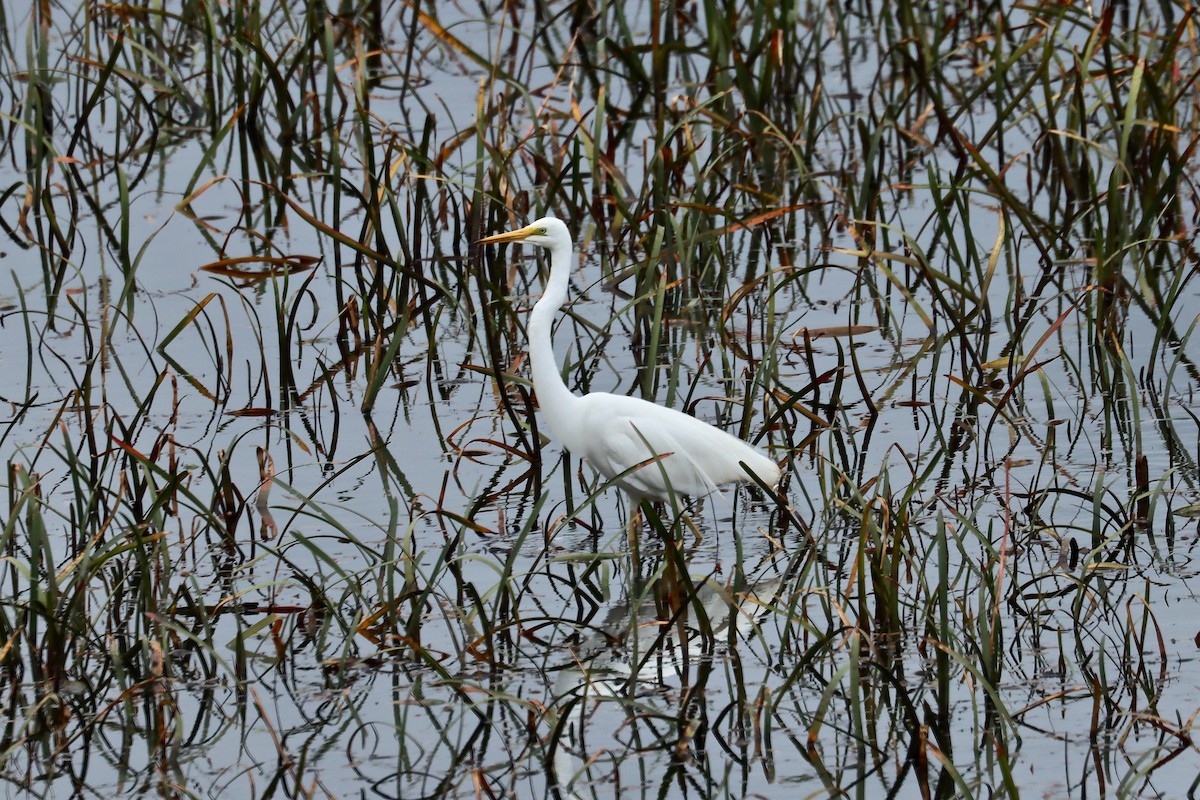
(510, 236)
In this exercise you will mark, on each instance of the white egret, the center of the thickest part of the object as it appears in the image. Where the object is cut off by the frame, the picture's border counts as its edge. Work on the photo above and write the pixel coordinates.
(646, 449)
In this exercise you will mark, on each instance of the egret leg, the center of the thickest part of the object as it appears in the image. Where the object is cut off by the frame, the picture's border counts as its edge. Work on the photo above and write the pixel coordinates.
(635, 521)
(691, 523)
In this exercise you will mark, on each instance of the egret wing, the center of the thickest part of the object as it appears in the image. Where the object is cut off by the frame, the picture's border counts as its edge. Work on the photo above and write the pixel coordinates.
(656, 452)
(648, 458)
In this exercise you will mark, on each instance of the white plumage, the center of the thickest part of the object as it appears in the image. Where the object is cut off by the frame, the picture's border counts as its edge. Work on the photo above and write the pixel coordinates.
(650, 451)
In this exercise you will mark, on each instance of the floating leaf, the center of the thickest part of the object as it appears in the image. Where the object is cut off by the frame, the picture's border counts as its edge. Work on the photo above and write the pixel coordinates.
(1001, 363)
(834, 331)
(272, 266)
(251, 412)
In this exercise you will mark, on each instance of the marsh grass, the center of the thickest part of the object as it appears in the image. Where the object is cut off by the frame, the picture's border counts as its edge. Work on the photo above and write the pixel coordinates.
(279, 519)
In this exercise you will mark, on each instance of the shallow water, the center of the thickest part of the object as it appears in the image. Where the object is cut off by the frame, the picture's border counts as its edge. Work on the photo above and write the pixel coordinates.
(426, 604)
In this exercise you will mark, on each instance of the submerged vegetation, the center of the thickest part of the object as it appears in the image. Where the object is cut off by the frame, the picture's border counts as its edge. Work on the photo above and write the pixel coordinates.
(280, 520)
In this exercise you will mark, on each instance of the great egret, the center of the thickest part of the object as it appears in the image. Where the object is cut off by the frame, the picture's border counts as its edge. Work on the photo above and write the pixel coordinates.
(646, 449)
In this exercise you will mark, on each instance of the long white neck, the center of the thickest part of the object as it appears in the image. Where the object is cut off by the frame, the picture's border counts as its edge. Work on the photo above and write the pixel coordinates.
(554, 398)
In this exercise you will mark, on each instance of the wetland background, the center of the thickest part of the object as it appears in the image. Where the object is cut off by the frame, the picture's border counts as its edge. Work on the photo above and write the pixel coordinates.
(278, 520)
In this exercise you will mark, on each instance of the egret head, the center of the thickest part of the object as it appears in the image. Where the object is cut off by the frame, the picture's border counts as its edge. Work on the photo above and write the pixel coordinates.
(548, 232)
